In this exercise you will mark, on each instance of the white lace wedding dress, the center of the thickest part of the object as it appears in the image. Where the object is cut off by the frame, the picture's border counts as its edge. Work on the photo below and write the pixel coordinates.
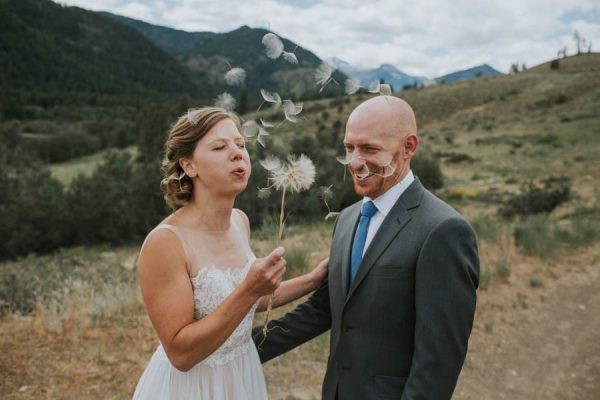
(233, 371)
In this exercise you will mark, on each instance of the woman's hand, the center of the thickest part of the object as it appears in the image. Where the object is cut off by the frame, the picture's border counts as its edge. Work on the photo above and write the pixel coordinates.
(317, 275)
(265, 274)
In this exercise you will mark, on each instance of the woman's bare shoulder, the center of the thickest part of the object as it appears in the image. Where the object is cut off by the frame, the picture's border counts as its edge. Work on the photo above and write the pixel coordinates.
(161, 252)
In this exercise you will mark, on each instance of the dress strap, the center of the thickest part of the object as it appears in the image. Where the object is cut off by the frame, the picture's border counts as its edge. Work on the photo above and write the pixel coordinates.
(181, 238)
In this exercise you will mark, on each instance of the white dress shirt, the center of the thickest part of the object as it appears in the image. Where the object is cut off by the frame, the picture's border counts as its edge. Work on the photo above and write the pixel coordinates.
(384, 204)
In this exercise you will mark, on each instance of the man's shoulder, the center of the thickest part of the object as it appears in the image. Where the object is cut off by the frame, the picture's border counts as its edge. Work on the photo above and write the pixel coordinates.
(436, 210)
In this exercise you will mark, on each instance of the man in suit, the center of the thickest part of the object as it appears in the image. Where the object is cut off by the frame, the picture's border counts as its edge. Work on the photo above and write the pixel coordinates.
(400, 293)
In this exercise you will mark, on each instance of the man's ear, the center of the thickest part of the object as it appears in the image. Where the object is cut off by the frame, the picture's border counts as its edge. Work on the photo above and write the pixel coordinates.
(411, 144)
(188, 167)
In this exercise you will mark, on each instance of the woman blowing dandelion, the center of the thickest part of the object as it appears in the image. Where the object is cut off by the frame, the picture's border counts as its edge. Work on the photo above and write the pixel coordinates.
(200, 281)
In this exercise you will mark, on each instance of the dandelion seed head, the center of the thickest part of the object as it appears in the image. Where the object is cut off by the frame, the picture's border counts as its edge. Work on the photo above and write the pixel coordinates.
(297, 175)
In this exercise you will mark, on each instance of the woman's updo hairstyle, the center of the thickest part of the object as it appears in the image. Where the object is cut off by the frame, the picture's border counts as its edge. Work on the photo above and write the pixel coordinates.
(181, 143)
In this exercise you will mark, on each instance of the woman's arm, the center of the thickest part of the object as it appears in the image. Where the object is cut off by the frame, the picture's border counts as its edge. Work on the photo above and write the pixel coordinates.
(168, 295)
(294, 288)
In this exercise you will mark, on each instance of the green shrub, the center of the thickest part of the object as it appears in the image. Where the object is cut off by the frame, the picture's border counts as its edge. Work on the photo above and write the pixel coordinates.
(428, 170)
(538, 200)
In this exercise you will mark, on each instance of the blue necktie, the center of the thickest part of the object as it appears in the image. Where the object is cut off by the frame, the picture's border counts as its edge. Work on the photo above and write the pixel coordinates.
(367, 211)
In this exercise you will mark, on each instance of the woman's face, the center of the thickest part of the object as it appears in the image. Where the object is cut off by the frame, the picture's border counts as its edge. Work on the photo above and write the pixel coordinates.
(220, 162)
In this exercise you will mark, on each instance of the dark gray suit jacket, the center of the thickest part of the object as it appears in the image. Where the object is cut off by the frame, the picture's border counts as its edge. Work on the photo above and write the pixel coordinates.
(401, 330)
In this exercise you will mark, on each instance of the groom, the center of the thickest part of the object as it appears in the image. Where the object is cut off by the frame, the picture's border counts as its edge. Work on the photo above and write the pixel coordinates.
(400, 293)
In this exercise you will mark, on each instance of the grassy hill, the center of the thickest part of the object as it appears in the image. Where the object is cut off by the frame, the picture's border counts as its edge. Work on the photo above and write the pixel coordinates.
(492, 135)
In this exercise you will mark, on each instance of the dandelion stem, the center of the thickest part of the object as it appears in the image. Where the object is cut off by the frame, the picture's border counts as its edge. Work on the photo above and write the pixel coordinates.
(281, 223)
(281, 214)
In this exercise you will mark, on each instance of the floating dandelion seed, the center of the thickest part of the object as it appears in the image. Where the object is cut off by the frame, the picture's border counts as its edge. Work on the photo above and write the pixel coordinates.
(323, 75)
(262, 132)
(235, 76)
(291, 110)
(273, 45)
(274, 48)
(273, 98)
(326, 195)
(361, 169)
(383, 89)
(264, 193)
(352, 86)
(250, 128)
(290, 57)
(271, 163)
(374, 87)
(266, 124)
(193, 116)
(225, 101)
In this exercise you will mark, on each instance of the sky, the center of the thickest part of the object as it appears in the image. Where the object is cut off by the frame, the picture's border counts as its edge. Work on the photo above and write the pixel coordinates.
(420, 37)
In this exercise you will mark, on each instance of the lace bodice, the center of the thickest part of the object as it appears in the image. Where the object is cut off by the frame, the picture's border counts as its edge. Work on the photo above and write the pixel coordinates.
(211, 286)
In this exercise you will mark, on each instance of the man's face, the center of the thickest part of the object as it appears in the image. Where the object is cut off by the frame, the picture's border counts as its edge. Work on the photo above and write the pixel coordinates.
(374, 152)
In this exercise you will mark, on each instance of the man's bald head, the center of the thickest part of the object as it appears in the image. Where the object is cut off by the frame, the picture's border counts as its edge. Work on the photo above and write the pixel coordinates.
(381, 136)
(390, 113)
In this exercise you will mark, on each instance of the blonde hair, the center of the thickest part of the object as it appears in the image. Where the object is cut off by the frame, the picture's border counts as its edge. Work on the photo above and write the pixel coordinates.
(190, 128)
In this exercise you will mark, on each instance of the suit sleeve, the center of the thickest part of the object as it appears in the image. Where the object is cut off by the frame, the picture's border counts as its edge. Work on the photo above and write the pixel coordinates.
(446, 280)
(306, 321)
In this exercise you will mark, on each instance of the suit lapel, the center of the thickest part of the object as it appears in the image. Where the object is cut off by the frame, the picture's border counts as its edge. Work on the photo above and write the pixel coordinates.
(396, 220)
(347, 240)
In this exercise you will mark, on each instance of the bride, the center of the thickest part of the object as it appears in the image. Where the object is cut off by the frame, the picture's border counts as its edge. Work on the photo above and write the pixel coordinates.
(200, 281)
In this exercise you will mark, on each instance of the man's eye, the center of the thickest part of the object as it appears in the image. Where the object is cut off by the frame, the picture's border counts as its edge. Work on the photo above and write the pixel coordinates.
(219, 148)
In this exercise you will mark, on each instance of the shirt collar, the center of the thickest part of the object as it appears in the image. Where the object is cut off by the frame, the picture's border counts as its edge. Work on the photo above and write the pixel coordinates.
(386, 201)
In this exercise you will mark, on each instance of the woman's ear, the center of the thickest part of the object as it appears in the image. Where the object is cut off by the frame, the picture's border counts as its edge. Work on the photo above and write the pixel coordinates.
(188, 167)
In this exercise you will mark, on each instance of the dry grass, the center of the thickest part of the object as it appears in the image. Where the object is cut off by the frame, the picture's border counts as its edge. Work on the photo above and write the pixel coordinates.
(99, 343)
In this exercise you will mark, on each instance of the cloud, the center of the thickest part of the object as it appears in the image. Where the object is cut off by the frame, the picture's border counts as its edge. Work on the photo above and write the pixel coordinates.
(463, 33)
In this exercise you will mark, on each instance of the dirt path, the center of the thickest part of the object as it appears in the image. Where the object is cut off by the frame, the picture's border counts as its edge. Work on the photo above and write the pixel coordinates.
(548, 350)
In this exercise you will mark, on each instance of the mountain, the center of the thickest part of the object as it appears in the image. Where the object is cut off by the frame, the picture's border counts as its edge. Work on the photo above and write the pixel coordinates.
(471, 73)
(213, 53)
(385, 72)
(53, 54)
